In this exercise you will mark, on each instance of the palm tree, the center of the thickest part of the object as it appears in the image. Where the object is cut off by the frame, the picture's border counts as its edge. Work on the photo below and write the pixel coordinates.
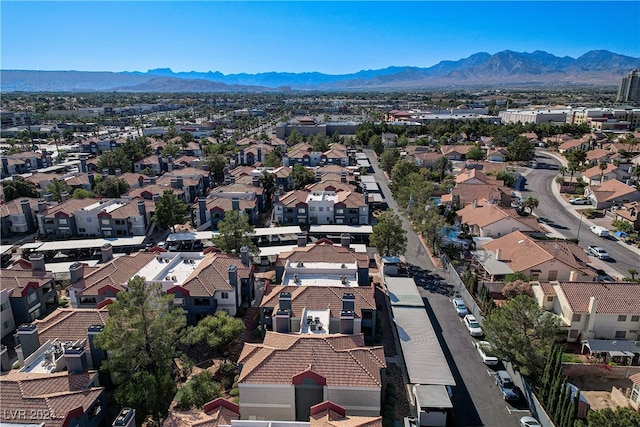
(603, 167)
(632, 272)
(531, 203)
(562, 170)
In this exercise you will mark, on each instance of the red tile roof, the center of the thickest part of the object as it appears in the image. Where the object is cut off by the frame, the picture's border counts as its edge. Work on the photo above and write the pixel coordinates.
(341, 359)
(613, 298)
(323, 253)
(320, 298)
(68, 324)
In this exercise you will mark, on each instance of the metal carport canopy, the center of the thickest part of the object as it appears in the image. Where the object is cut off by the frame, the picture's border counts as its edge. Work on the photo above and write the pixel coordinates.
(90, 243)
(421, 349)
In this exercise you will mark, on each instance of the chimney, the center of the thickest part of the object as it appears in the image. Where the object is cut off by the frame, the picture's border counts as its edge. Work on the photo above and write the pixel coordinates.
(256, 181)
(260, 154)
(593, 309)
(142, 210)
(346, 322)
(474, 204)
(97, 354)
(5, 363)
(76, 272)
(498, 254)
(302, 240)
(179, 183)
(283, 321)
(76, 358)
(318, 176)
(118, 172)
(106, 251)
(235, 204)
(152, 180)
(244, 255)
(241, 158)
(64, 196)
(174, 182)
(202, 210)
(366, 198)
(48, 197)
(156, 197)
(345, 240)
(573, 276)
(37, 262)
(105, 172)
(343, 177)
(348, 302)
(169, 164)
(126, 418)
(92, 180)
(26, 210)
(42, 206)
(284, 301)
(28, 339)
(233, 276)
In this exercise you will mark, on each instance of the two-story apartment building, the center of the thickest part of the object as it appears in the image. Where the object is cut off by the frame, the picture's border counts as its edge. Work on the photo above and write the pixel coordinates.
(201, 284)
(490, 220)
(19, 216)
(592, 310)
(209, 211)
(31, 289)
(322, 206)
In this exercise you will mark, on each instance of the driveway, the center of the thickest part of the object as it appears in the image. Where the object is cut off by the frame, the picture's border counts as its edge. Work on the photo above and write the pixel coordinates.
(476, 398)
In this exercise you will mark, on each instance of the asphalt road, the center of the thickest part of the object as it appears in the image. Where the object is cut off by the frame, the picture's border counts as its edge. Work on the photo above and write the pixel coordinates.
(539, 183)
(477, 401)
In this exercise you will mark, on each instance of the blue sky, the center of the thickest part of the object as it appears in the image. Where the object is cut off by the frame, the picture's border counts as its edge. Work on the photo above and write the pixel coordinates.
(333, 37)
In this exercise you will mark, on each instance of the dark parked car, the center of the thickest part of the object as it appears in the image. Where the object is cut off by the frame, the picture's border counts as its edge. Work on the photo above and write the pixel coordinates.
(506, 386)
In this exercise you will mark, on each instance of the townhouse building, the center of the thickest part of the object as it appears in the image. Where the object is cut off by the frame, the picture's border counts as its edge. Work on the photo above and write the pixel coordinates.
(201, 284)
(18, 216)
(487, 219)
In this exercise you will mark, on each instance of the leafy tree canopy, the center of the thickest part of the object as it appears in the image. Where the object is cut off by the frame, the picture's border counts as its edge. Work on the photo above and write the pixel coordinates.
(389, 236)
(234, 233)
(388, 159)
(18, 187)
(216, 331)
(170, 211)
(56, 187)
(302, 177)
(115, 159)
(111, 187)
(523, 333)
(141, 336)
(607, 417)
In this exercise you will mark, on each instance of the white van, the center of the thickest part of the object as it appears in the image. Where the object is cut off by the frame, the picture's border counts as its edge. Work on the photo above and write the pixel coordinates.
(599, 231)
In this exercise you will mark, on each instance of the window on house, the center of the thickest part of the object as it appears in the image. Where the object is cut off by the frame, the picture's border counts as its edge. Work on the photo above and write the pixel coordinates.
(535, 276)
(82, 230)
(553, 275)
(312, 209)
(32, 297)
(622, 318)
(339, 211)
(105, 222)
(201, 302)
(635, 318)
(224, 295)
(4, 306)
(178, 302)
(549, 299)
(620, 335)
(321, 208)
(87, 300)
(7, 324)
(635, 393)
(34, 314)
(576, 317)
(303, 210)
(63, 221)
(573, 333)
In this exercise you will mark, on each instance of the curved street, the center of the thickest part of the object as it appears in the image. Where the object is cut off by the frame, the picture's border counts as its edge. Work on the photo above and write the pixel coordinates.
(564, 220)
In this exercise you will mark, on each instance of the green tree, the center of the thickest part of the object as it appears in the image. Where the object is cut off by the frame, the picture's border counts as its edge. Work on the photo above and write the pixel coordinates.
(171, 150)
(441, 166)
(67, 134)
(170, 211)
(216, 164)
(18, 187)
(531, 203)
(624, 226)
(137, 148)
(475, 153)
(234, 233)
(430, 223)
(111, 187)
(603, 167)
(521, 150)
(199, 390)
(115, 159)
(607, 417)
(273, 159)
(217, 331)
(268, 183)
(375, 143)
(294, 138)
(401, 171)
(523, 333)
(141, 336)
(389, 236)
(302, 176)
(56, 187)
(389, 158)
(81, 193)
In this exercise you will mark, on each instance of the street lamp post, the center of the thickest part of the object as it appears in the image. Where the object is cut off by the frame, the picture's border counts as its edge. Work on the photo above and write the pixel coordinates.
(579, 225)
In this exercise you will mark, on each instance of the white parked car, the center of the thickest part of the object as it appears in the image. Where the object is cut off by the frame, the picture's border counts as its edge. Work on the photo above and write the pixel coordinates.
(580, 201)
(461, 309)
(473, 326)
(485, 349)
(529, 422)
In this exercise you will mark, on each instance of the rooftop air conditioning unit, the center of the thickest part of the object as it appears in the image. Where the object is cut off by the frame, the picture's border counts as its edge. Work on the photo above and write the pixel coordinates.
(192, 261)
(166, 278)
(173, 277)
(159, 259)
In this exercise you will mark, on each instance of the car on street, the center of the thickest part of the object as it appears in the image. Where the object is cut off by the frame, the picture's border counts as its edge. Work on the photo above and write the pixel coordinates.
(472, 325)
(599, 231)
(461, 308)
(485, 349)
(598, 251)
(580, 201)
(507, 387)
(529, 422)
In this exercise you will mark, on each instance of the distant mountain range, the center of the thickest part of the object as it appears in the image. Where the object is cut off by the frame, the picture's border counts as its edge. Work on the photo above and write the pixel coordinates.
(503, 69)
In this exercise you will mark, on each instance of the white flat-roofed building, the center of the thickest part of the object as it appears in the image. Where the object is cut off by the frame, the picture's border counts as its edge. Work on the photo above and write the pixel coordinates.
(320, 274)
(537, 115)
